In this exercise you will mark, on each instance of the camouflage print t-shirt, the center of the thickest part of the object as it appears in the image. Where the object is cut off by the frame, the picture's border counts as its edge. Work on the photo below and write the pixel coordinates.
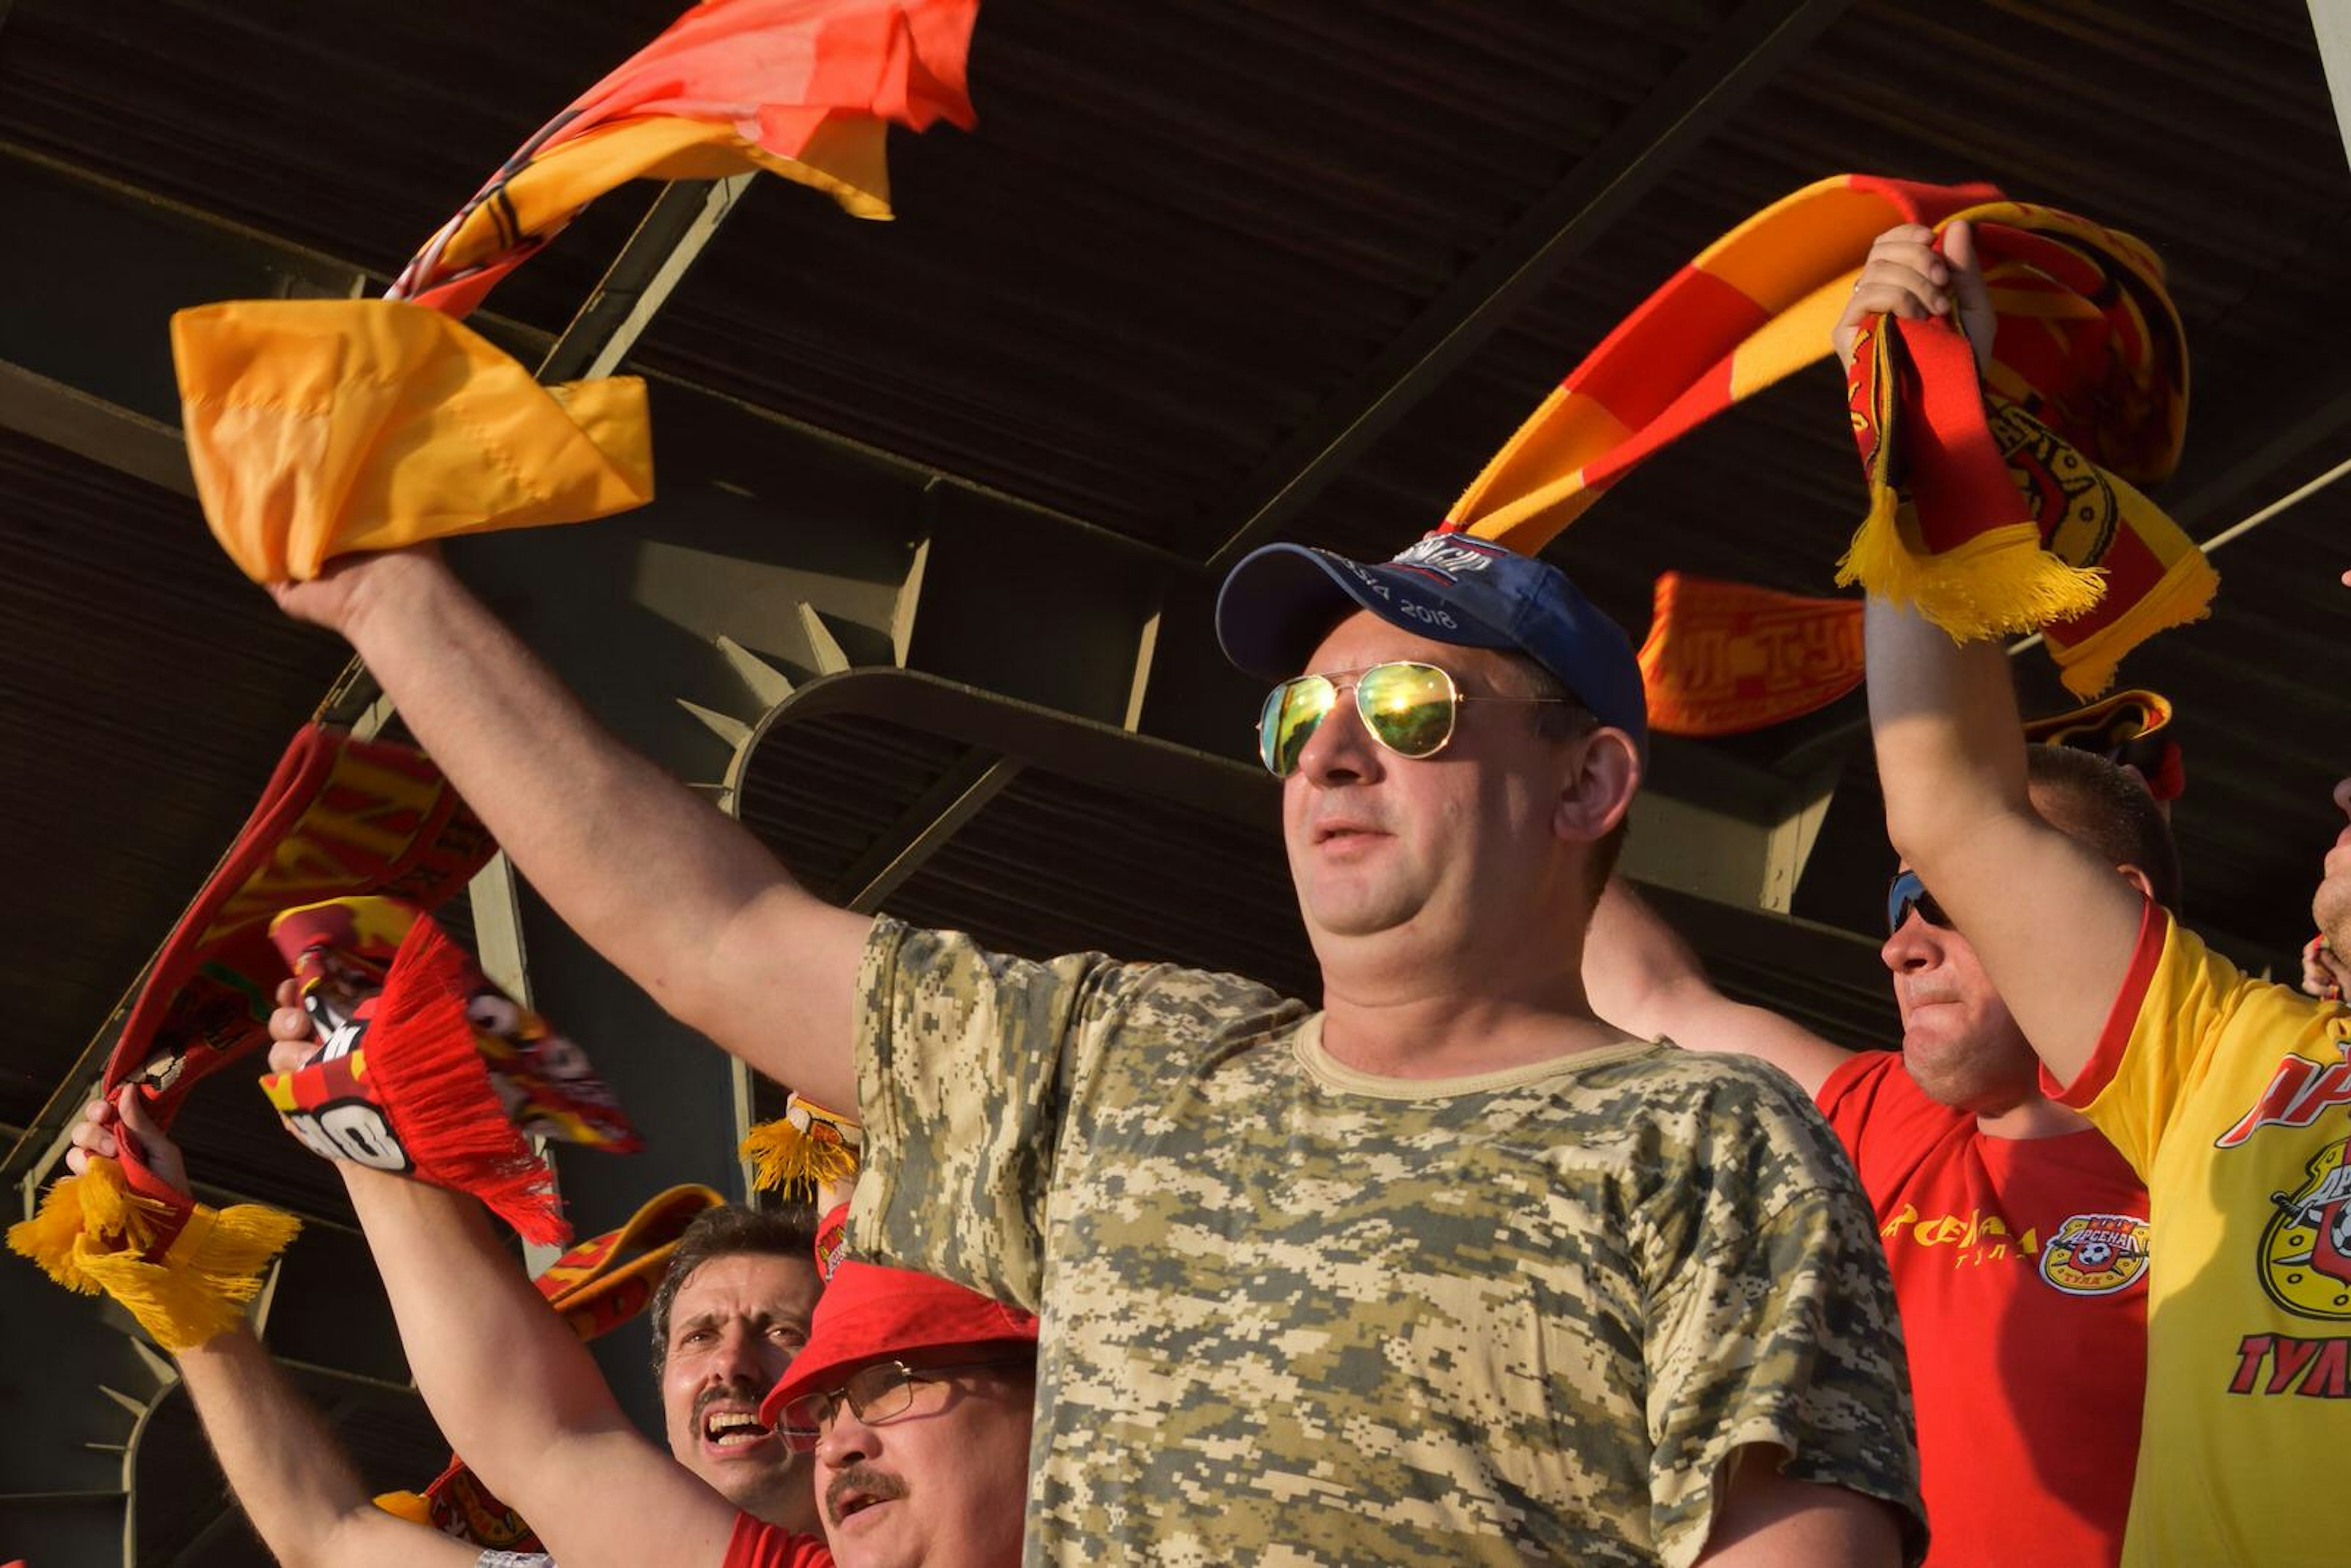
(1295, 1314)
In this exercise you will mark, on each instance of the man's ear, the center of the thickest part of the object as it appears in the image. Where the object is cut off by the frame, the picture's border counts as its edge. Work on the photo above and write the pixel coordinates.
(1594, 797)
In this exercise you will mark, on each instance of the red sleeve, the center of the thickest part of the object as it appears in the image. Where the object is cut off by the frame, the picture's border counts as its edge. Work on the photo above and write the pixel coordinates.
(2154, 926)
(758, 1545)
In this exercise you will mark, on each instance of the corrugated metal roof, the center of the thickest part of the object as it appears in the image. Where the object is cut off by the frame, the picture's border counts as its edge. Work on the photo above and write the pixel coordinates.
(146, 690)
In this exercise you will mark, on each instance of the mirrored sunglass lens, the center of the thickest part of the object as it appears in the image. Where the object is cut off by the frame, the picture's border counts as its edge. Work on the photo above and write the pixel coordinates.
(1292, 714)
(1410, 707)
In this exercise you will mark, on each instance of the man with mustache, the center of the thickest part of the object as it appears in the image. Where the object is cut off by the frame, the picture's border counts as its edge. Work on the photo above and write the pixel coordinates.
(1444, 1270)
(2225, 1094)
(2016, 1235)
(728, 1318)
(915, 1398)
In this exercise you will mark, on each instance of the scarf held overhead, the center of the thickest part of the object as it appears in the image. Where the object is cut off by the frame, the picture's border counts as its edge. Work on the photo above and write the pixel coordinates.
(426, 1069)
(319, 428)
(340, 816)
(1999, 503)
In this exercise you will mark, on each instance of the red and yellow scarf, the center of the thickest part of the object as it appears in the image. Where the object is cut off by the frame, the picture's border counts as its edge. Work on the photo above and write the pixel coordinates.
(2003, 502)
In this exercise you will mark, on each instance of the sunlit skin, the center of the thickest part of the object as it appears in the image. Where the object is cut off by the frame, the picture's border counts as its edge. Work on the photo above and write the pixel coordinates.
(940, 1486)
(1446, 897)
(734, 1328)
(2331, 906)
(1958, 1042)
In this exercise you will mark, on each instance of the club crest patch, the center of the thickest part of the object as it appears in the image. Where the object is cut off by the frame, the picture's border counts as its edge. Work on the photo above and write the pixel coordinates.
(2305, 1257)
(2095, 1254)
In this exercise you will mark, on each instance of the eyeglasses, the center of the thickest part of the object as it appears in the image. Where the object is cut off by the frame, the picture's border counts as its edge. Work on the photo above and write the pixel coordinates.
(1906, 893)
(1408, 708)
(879, 1392)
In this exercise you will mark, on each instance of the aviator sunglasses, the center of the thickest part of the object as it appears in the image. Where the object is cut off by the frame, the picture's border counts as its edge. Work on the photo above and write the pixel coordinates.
(1906, 893)
(1408, 708)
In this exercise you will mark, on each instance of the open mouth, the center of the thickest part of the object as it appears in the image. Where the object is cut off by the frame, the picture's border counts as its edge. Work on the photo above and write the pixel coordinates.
(854, 1493)
(728, 1429)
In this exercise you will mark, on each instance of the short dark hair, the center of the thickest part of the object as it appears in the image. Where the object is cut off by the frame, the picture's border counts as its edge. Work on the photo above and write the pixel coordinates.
(2106, 806)
(723, 1232)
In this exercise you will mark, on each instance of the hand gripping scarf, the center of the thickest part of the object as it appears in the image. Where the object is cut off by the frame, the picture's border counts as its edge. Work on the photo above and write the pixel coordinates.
(340, 816)
(596, 1287)
(1969, 477)
(318, 428)
(1724, 658)
(427, 1070)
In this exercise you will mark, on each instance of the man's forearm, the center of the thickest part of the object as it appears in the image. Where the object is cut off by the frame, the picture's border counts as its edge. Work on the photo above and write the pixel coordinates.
(677, 895)
(1645, 979)
(642, 869)
(1950, 746)
(518, 1396)
(501, 1373)
(292, 1478)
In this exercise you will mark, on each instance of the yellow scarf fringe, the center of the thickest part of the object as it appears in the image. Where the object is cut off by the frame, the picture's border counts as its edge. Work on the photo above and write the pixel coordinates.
(93, 1234)
(801, 1162)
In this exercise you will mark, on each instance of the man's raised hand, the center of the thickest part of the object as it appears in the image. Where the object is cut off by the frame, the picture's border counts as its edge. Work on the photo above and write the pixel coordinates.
(105, 1127)
(1906, 277)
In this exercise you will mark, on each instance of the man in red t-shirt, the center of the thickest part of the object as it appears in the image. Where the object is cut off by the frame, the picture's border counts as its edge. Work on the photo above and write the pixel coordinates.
(2016, 1235)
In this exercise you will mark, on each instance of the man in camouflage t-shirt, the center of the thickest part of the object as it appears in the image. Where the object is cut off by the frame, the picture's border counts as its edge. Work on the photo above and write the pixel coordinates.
(1532, 1302)
(1449, 1271)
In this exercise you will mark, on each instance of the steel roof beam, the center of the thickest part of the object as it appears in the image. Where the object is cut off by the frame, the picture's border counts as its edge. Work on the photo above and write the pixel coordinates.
(1738, 58)
(683, 220)
(90, 428)
(2331, 20)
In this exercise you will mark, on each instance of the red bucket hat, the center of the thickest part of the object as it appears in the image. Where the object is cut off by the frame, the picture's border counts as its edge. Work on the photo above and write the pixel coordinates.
(870, 1313)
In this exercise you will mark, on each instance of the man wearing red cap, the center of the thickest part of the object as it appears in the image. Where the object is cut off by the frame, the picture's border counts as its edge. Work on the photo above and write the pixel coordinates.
(1446, 1270)
(915, 1398)
(912, 1397)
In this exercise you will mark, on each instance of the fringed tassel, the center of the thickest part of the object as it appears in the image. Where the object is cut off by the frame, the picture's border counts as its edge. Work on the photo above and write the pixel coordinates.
(805, 1152)
(1999, 583)
(93, 1234)
(2183, 596)
(429, 1073)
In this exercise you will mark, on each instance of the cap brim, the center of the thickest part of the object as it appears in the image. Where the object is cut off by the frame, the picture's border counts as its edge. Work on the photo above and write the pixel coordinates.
(1282, 600)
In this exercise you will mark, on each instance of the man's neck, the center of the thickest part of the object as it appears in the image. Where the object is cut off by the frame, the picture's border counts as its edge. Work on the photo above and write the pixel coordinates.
(2034, 1117)
(1457, 1018)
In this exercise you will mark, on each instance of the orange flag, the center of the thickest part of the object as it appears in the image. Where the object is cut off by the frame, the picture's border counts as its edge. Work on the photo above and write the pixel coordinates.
(804, 88)
(1723, 658)
(321, 428)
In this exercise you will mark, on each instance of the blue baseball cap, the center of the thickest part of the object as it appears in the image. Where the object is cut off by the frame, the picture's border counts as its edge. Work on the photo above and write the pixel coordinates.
(1282, 600)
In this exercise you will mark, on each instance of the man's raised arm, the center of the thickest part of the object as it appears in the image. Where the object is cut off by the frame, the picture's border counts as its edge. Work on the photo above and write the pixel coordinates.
(1643, 978)
(517, 1394)
(2053, 922)
(289, 1473)
(678, 895)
